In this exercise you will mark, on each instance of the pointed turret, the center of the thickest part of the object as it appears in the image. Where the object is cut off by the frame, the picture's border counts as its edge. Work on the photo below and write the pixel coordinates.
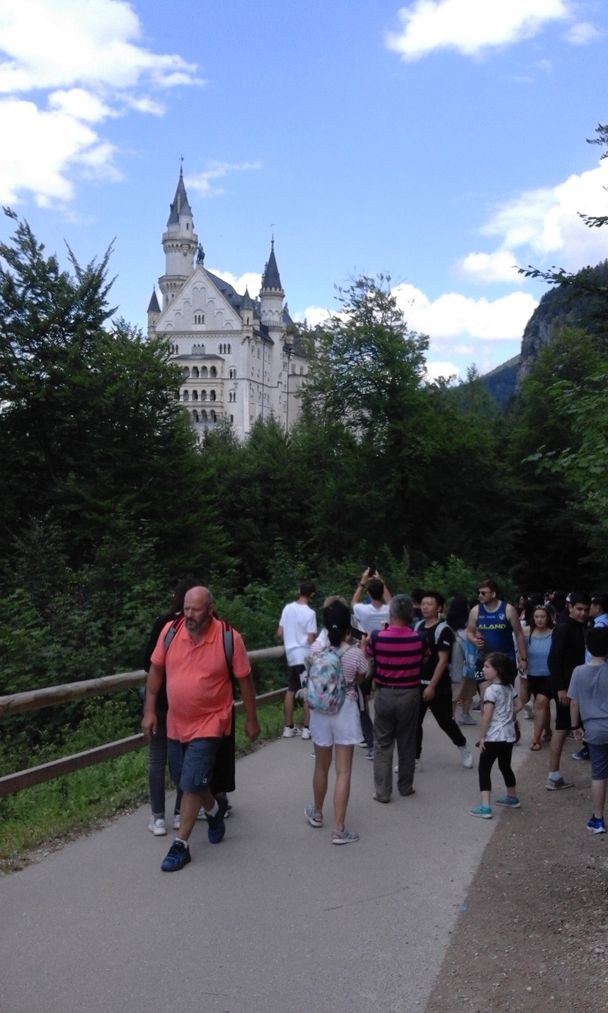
(271, 294)
(180, 244)
(246, 309)
(153, 315)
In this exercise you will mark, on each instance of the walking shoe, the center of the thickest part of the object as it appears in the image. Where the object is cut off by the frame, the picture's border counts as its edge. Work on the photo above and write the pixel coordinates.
(217, 827)
(344, 836)
(290, 732)
(377, 798)
(176, 821)
(157, 826)
(483, 811)
(596, 825)
(466, 719)
(314, 818)
(466, 758)
(370, 754)
(509, 802)
(177, 856)
(558, 785)
(581, 754)
(363, 744)
(306, 733)
(201, 814)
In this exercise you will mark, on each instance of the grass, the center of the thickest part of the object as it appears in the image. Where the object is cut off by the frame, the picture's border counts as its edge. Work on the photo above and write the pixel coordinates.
(43, 816)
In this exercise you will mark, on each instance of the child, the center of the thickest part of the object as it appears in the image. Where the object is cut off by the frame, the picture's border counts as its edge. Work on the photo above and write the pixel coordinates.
(588, 694)
(500, 703)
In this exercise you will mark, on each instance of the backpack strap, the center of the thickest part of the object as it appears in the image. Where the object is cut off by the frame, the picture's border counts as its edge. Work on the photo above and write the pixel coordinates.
(169, 635)
(228, 641)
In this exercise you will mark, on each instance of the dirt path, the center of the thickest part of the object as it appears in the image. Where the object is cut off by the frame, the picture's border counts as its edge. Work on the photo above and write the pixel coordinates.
(534, 936)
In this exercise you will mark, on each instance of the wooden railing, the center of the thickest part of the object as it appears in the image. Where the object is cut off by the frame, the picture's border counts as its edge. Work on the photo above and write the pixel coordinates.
(51, 696)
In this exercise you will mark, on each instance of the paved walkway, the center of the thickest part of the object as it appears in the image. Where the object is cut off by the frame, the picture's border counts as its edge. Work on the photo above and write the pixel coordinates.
(273, 920)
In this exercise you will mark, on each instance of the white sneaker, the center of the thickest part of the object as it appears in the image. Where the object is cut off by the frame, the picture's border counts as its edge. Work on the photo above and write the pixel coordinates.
(290, 733)
(176, 821)
(306, 733)
(466, 719)
(466, 758)
(157, 826)
(201, 814)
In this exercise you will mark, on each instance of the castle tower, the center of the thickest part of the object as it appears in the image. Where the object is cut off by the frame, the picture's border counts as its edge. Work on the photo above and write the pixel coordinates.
(153, 315)
(180, 244)
(272, 295)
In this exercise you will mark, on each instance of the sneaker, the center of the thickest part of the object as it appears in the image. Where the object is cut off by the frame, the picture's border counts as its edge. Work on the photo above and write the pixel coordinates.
(558, 785)
(290, 732)
(466, 758)
(509, 802)
(177, 856)
(581, 754)
(306, 733)
(344, 836)
(217, 827)
(466, 719)
(201, 814)
(363, 744)
(157, 826)
(176, 821)
(377, 798)
(370, 754)
(596, 826)
(483, 811)
(314, 818)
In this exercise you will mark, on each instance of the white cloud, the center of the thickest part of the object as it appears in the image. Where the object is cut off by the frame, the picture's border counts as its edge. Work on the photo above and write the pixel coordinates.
(83, 63)
(437, 369)
(453, 314)
(314, 316)
(491, 267)
(470, 26)
(582, 33)
(545, 224)
(202, 182)
(249, 280)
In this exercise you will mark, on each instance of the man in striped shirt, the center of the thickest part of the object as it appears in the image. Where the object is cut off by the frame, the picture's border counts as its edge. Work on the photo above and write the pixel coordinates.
(398, 654)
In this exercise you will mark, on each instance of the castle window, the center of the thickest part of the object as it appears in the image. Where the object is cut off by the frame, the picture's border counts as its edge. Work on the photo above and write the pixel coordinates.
(203, 415)
(232, 374)
(195, 395)
(204, 372)
(195, 373)
(199, 318)
(195, 416)
(186, 396)
(212, 395)
(232, 419)
(203, 395)
(213, 416)
(186, 372)
(213, 372)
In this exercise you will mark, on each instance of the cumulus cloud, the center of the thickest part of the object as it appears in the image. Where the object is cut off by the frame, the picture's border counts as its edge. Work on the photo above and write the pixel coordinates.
(545, 224)
(437, 369)
(491, 267)
(66, 65)
(471, 26)
(203, 182)
(452, 314)
(582, 33)
(250, 280)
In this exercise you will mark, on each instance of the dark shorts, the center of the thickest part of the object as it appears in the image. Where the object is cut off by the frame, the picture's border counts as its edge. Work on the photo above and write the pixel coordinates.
(599, 761)
(294, 681)
(539, 685)
(192, 763)
(562, 717)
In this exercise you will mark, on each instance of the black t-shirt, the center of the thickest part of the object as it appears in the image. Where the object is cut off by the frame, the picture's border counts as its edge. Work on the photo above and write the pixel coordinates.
(436, 642)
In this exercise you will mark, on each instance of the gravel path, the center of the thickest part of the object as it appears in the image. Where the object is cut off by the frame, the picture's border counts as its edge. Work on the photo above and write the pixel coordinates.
(534, 935)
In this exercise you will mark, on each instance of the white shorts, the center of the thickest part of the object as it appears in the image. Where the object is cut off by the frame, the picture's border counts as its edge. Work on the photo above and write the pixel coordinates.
(341, 729)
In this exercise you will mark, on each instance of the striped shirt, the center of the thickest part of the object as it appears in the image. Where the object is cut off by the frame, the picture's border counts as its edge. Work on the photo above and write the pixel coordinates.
(398, 653)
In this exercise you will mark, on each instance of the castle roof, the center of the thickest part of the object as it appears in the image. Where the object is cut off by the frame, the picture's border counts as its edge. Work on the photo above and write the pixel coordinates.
(180, 203)
(271, 278)
(153, 306)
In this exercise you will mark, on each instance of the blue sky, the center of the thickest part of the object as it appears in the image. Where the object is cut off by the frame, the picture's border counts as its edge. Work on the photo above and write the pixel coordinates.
(440, 141)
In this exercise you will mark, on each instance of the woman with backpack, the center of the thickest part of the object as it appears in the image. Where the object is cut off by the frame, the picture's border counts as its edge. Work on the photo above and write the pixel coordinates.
(333, 675)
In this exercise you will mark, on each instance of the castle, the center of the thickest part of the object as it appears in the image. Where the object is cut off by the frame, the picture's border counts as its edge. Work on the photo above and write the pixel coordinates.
(241, 358)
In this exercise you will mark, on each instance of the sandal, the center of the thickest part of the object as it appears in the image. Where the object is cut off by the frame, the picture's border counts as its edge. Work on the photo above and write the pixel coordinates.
(535, 747)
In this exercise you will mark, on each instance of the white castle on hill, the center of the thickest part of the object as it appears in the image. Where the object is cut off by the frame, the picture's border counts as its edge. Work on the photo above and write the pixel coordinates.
(240, 357)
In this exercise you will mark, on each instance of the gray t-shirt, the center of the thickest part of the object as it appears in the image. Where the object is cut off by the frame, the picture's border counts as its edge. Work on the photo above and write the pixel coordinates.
(589, 687)
(501, 727)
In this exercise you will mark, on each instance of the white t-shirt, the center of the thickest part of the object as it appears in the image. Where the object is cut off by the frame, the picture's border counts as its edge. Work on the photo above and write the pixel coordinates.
(297, 621)
(369, 618)
(502, 727)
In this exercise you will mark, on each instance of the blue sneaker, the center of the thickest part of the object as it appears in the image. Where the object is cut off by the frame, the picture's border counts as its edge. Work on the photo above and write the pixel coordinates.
(217, 827)
(177, 856)
(509, 802)
(483, 811)
(596, 826)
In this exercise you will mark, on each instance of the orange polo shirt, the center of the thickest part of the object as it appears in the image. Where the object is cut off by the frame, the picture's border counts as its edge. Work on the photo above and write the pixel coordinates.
(198, 686)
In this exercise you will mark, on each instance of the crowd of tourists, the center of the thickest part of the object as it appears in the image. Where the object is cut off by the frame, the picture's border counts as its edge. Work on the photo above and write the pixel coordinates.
(368, 677)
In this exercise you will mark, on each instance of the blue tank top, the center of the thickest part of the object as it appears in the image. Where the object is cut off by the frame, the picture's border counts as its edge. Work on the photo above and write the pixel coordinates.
(496, 630)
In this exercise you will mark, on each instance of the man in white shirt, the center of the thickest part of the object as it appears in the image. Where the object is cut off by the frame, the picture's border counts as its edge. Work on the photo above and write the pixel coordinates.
(297, 629)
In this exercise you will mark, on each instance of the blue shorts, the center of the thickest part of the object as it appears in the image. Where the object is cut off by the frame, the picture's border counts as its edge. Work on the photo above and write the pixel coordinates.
(191, 763)
(599, 761)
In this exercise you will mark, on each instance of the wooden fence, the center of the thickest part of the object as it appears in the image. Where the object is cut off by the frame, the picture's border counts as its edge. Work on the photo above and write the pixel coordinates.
(51, 696)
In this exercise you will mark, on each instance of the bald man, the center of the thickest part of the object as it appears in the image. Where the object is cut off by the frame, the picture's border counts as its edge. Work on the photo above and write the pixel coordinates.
(200, 697)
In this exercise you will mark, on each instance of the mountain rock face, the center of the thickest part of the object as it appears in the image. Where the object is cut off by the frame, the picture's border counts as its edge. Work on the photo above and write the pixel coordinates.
(580, 302)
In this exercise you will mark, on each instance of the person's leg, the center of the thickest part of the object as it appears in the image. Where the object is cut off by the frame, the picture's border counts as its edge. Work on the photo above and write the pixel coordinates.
(384, 742)
(599, 778)
(343, 764)
(504, 754)
(196, 778)
(441, 709)
(323, 756)
(598, 798)
(555, 781)
(157, 759)
(555, 749)
(288, 708)
(422, 709)
(487, 757)
(541, 718)
(408, 706)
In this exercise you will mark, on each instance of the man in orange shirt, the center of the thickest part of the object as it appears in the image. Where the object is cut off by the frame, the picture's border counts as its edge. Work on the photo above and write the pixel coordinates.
(200, 697)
